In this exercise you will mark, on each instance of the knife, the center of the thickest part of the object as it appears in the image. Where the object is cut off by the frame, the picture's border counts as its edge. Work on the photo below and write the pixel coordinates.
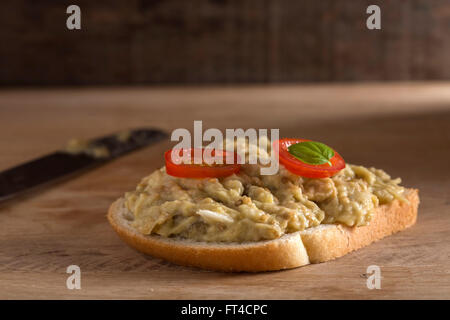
(76, 157)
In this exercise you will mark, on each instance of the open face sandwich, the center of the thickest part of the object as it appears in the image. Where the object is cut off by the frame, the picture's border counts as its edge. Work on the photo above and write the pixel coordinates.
(233, 218)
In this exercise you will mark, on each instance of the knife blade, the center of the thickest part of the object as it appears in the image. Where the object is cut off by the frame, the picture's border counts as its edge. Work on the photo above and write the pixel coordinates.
(62, 163)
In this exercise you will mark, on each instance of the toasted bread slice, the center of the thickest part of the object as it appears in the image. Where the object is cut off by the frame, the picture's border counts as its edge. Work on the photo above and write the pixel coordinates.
(314, 245)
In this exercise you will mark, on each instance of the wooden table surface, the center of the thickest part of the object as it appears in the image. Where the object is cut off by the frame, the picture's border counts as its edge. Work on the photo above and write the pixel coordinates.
(402, 128)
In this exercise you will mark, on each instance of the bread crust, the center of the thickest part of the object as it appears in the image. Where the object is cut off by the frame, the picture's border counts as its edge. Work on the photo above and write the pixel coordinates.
(314, 245)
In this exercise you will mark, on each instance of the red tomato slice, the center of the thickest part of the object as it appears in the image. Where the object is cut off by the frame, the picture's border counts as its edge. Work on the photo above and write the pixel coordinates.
(202, 170)
(303, 169)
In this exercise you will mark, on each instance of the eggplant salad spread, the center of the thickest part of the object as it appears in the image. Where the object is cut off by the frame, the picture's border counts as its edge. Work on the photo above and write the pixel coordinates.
(235, 203)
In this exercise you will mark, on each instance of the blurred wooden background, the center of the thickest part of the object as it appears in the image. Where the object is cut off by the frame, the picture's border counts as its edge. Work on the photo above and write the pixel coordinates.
(220, 41)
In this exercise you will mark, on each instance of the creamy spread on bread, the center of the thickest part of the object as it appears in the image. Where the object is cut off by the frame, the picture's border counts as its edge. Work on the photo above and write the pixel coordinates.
(249, 206)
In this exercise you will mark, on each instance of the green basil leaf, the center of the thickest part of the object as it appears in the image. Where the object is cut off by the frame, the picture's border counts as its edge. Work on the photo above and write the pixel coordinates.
(312, 152)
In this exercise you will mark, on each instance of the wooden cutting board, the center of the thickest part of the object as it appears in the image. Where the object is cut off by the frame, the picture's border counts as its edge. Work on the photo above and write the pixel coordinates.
(402, 128)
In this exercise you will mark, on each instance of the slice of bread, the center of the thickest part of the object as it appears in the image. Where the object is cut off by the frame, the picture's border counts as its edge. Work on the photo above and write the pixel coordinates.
(314, 245)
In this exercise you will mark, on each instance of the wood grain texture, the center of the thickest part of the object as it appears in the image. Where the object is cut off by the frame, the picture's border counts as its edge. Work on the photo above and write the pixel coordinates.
(198, 41)
(402, 128)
